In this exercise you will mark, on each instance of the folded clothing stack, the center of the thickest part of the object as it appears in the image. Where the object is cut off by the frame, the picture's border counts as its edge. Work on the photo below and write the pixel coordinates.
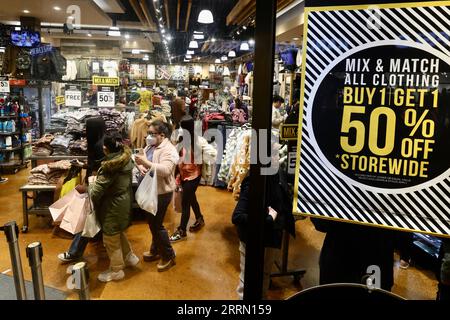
(73, 126)
(61, 144)
(42, 147)
(114, 120)
(78, 147)
(47, 174)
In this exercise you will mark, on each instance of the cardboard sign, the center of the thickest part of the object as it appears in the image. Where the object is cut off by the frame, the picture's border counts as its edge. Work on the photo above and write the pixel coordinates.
(73, 98)
(60, 100)
(105, 81)
(4, 86)
(106, 97)
(373, 120)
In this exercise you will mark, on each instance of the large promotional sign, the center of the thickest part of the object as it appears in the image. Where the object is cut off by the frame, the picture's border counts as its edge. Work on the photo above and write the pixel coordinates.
(375, 118)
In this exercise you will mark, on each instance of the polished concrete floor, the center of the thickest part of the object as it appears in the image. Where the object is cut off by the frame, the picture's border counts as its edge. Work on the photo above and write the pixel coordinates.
(207, 263)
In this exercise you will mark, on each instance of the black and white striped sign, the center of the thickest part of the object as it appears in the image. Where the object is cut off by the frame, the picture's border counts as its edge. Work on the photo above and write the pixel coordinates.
(375, 130)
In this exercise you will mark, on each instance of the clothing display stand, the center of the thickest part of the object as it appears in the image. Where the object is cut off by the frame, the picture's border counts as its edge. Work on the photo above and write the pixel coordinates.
(20, 130)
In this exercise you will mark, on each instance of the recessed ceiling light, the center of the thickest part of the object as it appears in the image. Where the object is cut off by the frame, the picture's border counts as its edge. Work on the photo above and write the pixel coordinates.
(213, 40)
(26, 11)
(127, 36)
(89, 35)
(295, 39)
(244, 27)
(251, 42)
(57, 8)
(198, 58)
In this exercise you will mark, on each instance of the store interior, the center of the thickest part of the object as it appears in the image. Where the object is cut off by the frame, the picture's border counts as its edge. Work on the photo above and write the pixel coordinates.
(125, 61)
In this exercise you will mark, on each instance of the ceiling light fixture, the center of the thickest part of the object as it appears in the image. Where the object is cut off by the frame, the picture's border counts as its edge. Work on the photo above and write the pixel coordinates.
(185, 60)
(244, 27)
(17, 28)
(198, 58)
(295, 39)
(89, 35)
(114, 28)
(251, 42)
(127, 36)
(190, 52)
(193, 44)
(57, 8)
(232, 54)
(217, 61)
(146, 58)
(213, 39)
(114, 33)
(188, 56)
(26, 11)
(244, 46)
(198, 32)
(135, 51)
(238, 33)
(169, 37)
(205, 17)
(163, 31)
(224, 58)
(199, 36)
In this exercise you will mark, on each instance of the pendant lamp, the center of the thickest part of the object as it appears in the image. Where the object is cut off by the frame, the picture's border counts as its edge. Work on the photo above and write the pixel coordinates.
(224, 58)
(244, 46)
(232, 54)
(193, 44)
(205, 17)
(217, 61)
(190, 52)
(199, 37)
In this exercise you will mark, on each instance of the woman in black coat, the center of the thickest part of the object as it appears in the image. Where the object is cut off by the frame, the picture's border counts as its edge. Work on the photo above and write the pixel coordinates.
(279, 217)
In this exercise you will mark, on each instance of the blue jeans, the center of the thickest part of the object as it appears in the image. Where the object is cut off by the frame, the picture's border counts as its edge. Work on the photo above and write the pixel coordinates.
(78, 245)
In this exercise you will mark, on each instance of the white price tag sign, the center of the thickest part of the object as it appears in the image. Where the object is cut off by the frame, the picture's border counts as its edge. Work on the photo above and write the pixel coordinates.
(106, 99)
(4, 86)
(292, 160)
(73, 98)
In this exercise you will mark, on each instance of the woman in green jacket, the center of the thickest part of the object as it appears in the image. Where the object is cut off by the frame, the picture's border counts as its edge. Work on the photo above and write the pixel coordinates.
(111, 195)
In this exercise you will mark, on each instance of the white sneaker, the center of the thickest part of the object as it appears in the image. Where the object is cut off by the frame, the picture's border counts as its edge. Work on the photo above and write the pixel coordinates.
(131, 260)
(110, 275)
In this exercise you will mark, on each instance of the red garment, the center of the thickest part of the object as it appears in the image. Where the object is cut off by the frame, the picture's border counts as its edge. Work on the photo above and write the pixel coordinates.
(211, 116)
(189, 171)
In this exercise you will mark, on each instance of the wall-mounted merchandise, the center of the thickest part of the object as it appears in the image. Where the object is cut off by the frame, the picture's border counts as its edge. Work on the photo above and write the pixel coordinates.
(162, 73)
(151, 72)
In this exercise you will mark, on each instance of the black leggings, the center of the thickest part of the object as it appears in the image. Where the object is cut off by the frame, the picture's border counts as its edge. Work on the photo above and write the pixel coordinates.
(189, 200)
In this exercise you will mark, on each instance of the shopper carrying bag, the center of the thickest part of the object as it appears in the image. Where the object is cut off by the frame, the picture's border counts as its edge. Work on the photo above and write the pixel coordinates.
(111, 196)
(91, 225)
(160, 154)
(147, 192)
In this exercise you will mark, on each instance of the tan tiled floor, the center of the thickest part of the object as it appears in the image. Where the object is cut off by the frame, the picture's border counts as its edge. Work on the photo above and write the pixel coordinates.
(207, 263)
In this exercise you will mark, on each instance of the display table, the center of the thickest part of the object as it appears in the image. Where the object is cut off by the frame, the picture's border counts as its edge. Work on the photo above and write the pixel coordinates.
(35, 158)
(33, 209)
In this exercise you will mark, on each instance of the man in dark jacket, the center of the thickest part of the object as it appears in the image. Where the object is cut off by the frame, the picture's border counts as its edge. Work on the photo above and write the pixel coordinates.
(349, 249)
(279, 217)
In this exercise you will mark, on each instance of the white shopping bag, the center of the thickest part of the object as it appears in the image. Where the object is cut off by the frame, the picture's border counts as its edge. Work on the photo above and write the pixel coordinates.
(147, 193)
(59, 208)
(91, 225)
(76, 212)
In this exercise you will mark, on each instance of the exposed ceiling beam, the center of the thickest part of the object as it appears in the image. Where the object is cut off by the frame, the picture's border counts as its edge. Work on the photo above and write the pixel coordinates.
(146, 12)
(238, 8)
(246, 8)
(188, 15)
(178, 14)
(166, 6)
(139, 13)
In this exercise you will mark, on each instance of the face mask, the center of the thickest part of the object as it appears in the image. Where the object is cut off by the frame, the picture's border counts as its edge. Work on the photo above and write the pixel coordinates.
(150, 140)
